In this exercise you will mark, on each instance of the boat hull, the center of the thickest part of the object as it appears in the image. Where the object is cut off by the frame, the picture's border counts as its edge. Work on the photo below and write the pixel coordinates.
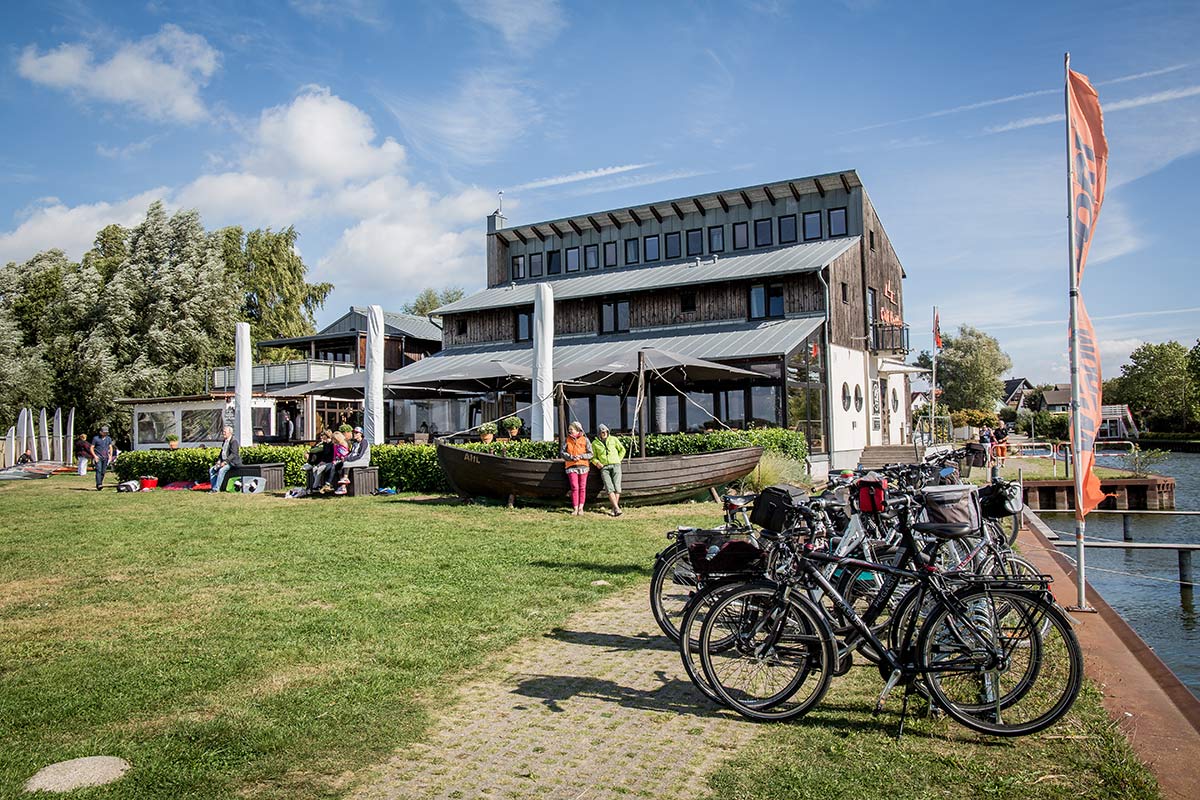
(658, 479)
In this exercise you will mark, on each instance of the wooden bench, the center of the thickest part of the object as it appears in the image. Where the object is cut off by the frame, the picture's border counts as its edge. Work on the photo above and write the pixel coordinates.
(363, 481)
(271, 473)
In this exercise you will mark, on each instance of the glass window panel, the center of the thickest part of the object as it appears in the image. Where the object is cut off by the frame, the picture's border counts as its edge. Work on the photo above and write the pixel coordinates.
(610, 254)
(650, 248)
(758, 301)
(762, 233)
(606, 318)
(518, 267)
(741, 235)
(787, 229)
(699, 411)
(695, 242)
(572, 259)
(665, 412)
(591, 256)
(764, 410)
(672, 244)
(733, 408)
(608, 411)
(260, 420)
(812, 225)
(837, 222)
(153, 426)
(554, 262)
(716, 239)
(535, 265)
(687, 302)
(623, 315)
(524, 326)
(631, 251)
(200, 424)
(579, 409)
(775, 300)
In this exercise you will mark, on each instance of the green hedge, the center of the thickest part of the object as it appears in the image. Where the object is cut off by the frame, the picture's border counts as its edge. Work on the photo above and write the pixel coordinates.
(414, 467)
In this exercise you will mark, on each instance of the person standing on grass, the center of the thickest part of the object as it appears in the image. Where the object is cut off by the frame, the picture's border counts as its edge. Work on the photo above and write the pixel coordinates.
(609, 451)
(1000, 436)
(577, 455)
(230, 456)
(985, 439)
(103, 451)
(83, 453)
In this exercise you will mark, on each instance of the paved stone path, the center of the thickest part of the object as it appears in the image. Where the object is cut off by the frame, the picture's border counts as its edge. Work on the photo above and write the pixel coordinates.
(599, 709)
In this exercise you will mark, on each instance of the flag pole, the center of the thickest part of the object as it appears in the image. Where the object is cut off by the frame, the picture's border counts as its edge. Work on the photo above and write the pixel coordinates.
(1076, 421)
(933, 384)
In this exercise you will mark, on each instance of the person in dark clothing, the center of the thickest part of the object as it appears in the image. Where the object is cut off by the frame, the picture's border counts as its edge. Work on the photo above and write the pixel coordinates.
(320, 459)
(83, 454)
(1000, 448)
(25, 458)
(103, 454)
(230, 456)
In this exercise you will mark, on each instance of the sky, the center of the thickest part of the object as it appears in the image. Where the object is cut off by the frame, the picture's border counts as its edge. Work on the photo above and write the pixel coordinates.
(383, 132)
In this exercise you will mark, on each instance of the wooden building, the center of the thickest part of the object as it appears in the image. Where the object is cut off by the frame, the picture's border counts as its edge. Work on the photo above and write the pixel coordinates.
(795, 280)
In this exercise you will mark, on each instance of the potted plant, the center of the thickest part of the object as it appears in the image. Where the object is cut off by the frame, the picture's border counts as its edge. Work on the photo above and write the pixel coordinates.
(487, 432)
(512, 425)
(173, 441)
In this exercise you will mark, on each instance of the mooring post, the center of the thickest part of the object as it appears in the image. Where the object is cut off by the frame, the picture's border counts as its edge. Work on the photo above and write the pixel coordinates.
(1127, 528)
(1186, 581)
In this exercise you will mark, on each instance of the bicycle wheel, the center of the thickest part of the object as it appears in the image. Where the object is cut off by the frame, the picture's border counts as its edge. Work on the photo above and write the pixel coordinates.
(1001, 661)
(766, 658)
(689, 633)
(671, 587)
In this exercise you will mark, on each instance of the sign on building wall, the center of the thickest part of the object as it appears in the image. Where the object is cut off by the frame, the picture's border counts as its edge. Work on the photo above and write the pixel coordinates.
(874, 405)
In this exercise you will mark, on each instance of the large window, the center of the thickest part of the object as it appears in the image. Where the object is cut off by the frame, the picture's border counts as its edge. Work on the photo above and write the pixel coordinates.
(766, 300)
(608, 411)
(524, 326)
(695, 242)
(572, 259)
(741, 235)
(698, 411)
(716, 239)
(535, 265)
(200, 424)
(631, 251)
(591, 256)
(762, 232)
(806, 392)
(554, 262)
(650, 248)
(733, 407)
(787, 229)
(812, 226)
(153, 426)
(764, 406)
(518, 267)
(610, 254)
(673, 245)
(614, 317)
(837, 222)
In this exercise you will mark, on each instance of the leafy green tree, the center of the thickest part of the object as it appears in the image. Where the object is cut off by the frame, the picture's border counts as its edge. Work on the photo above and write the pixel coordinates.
(429, 300)
(24, 375)
(1157, 385)
(970, 367)
(109, 251)
(28, 290)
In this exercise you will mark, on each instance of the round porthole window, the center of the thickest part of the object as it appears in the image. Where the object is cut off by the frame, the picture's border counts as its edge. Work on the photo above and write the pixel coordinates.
(895, 400)
(846, 396)
(858, 397)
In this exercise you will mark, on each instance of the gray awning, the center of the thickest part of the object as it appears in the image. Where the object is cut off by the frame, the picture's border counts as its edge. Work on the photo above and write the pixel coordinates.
(797, 258)
(721, 342)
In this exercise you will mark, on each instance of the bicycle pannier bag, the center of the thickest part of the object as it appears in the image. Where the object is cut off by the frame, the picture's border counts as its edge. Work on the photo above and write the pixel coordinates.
(775, 507)
(977, 454)
(872, 496)
(952, 504)
(716, 552)
(998, 500)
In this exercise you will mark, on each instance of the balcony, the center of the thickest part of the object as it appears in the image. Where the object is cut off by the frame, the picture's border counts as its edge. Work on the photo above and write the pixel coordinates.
(889, 338)
(269, 377)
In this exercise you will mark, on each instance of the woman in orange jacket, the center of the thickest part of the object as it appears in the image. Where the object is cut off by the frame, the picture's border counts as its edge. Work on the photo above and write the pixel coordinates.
(577, 455)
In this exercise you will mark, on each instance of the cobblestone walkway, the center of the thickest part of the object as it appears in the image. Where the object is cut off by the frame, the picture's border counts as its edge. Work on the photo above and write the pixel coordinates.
(599, 709)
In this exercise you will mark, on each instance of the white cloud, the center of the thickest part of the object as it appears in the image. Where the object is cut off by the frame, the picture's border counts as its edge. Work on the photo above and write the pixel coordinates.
(159, 76)
(521, 22)
(581, 175)
(368, 12)
(51, 223)
(127, 151)
(245, 199)
(632, 181)
(488, 113)
(1117, 105)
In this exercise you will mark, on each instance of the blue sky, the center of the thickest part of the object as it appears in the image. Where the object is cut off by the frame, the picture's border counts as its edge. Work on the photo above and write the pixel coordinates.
(383, 130)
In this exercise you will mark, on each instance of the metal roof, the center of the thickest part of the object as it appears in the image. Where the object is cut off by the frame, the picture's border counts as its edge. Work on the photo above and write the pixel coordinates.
(807, 257)
(711, 342)
(354, 322)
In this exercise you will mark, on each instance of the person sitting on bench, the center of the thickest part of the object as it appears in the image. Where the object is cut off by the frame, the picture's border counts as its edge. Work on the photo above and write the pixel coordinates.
(230, 457)
(320, 459)
(359, 456)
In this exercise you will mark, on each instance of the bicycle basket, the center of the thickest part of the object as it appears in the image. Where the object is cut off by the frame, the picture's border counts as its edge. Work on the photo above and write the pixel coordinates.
(1002, 499)
(719, 552)
(956, 504)
(775, 508)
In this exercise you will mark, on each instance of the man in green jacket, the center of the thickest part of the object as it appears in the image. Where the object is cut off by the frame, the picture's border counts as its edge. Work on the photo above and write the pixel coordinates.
(607, 452)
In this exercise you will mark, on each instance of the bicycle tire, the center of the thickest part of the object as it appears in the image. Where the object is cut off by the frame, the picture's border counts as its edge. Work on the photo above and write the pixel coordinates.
(672, 585)
(689, 633)
(1037, 678)
(794, 636)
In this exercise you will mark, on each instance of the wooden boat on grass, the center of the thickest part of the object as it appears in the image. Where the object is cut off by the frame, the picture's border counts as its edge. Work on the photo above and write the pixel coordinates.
(657, 479)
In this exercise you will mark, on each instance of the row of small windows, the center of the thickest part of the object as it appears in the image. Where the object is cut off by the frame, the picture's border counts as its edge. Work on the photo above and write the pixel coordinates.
(668, 246)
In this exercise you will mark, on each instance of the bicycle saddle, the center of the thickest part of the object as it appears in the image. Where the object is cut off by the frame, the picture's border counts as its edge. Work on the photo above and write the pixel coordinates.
(944, 530)
(738, 501)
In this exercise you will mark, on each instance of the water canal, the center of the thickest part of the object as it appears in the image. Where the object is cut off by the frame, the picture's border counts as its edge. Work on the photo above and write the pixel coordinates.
(1142, 585)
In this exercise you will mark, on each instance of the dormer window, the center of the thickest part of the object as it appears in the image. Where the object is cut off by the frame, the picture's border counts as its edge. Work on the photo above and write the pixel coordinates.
(572, 259)
(535, 265)
(837, 222)
(554, 262)
(518, 267)
(631, 251)
(610, 254)
(812, 226)
(741, 235)
(650, 248)
(695, 242)
(591, 256)
(762, 233)
(673, 245)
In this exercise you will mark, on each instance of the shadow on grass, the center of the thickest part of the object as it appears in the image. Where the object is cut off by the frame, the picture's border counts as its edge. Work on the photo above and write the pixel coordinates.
(674, 695)
(591, 566)
(615, 642)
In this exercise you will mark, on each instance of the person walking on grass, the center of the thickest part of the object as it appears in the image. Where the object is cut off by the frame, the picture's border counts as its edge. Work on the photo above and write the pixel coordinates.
(577, 456)
(609, 451)
(230, 456)
(83, 453)
(103, 452)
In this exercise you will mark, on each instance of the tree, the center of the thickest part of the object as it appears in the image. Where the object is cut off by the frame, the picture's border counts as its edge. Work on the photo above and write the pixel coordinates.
(970, 367)
(1157, 385)
(430, 300)
(109, 251)
(269, 277)
(24, 376)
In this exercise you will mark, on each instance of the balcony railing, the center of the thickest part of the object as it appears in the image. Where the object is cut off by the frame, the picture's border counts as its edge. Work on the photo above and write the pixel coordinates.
(269, 377)
(889, 338)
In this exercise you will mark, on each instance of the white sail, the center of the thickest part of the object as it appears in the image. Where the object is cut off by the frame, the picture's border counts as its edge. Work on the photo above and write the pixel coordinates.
(44, 436)
(373, 391)
(70, 444)
(541, 428)
(10, 448)
(59, 457)
(243, 421)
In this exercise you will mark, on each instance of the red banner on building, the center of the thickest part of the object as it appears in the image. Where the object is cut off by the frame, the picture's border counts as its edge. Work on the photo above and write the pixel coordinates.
(1088, 151)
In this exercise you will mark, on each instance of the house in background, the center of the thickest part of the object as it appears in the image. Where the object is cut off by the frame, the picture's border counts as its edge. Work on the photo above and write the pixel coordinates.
(795, 280)
(1016, 393)
(1116, 421)
(1058, 399)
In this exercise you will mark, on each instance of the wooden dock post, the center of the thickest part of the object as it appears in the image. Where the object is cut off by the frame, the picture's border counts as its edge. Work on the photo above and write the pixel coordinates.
(1122, 498)
(1126, 527)
(1186, 581)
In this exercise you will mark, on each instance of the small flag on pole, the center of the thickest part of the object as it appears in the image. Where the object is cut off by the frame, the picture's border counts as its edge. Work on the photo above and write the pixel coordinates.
(937, 330)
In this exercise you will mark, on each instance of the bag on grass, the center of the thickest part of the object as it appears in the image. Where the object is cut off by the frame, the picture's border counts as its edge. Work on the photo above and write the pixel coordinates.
(128, 486)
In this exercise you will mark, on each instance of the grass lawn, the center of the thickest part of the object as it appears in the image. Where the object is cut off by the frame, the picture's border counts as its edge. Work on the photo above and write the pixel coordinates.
(1038, 469)
(251, 646)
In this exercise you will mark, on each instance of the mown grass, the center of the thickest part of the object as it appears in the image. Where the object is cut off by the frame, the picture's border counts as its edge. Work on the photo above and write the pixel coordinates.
(1038, 469)
(250, 645)
(840, 750)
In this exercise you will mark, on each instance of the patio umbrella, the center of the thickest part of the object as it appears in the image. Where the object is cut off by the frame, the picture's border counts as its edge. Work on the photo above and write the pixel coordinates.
(615, 371)
(485, 376)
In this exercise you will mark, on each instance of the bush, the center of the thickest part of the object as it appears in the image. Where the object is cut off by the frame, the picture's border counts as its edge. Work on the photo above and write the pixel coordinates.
(487, 427)
(1046, 426)
(415, 468)
(511, 423)
(1140, 462)
(1008, 414)
(974, 417)
(772, 470)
